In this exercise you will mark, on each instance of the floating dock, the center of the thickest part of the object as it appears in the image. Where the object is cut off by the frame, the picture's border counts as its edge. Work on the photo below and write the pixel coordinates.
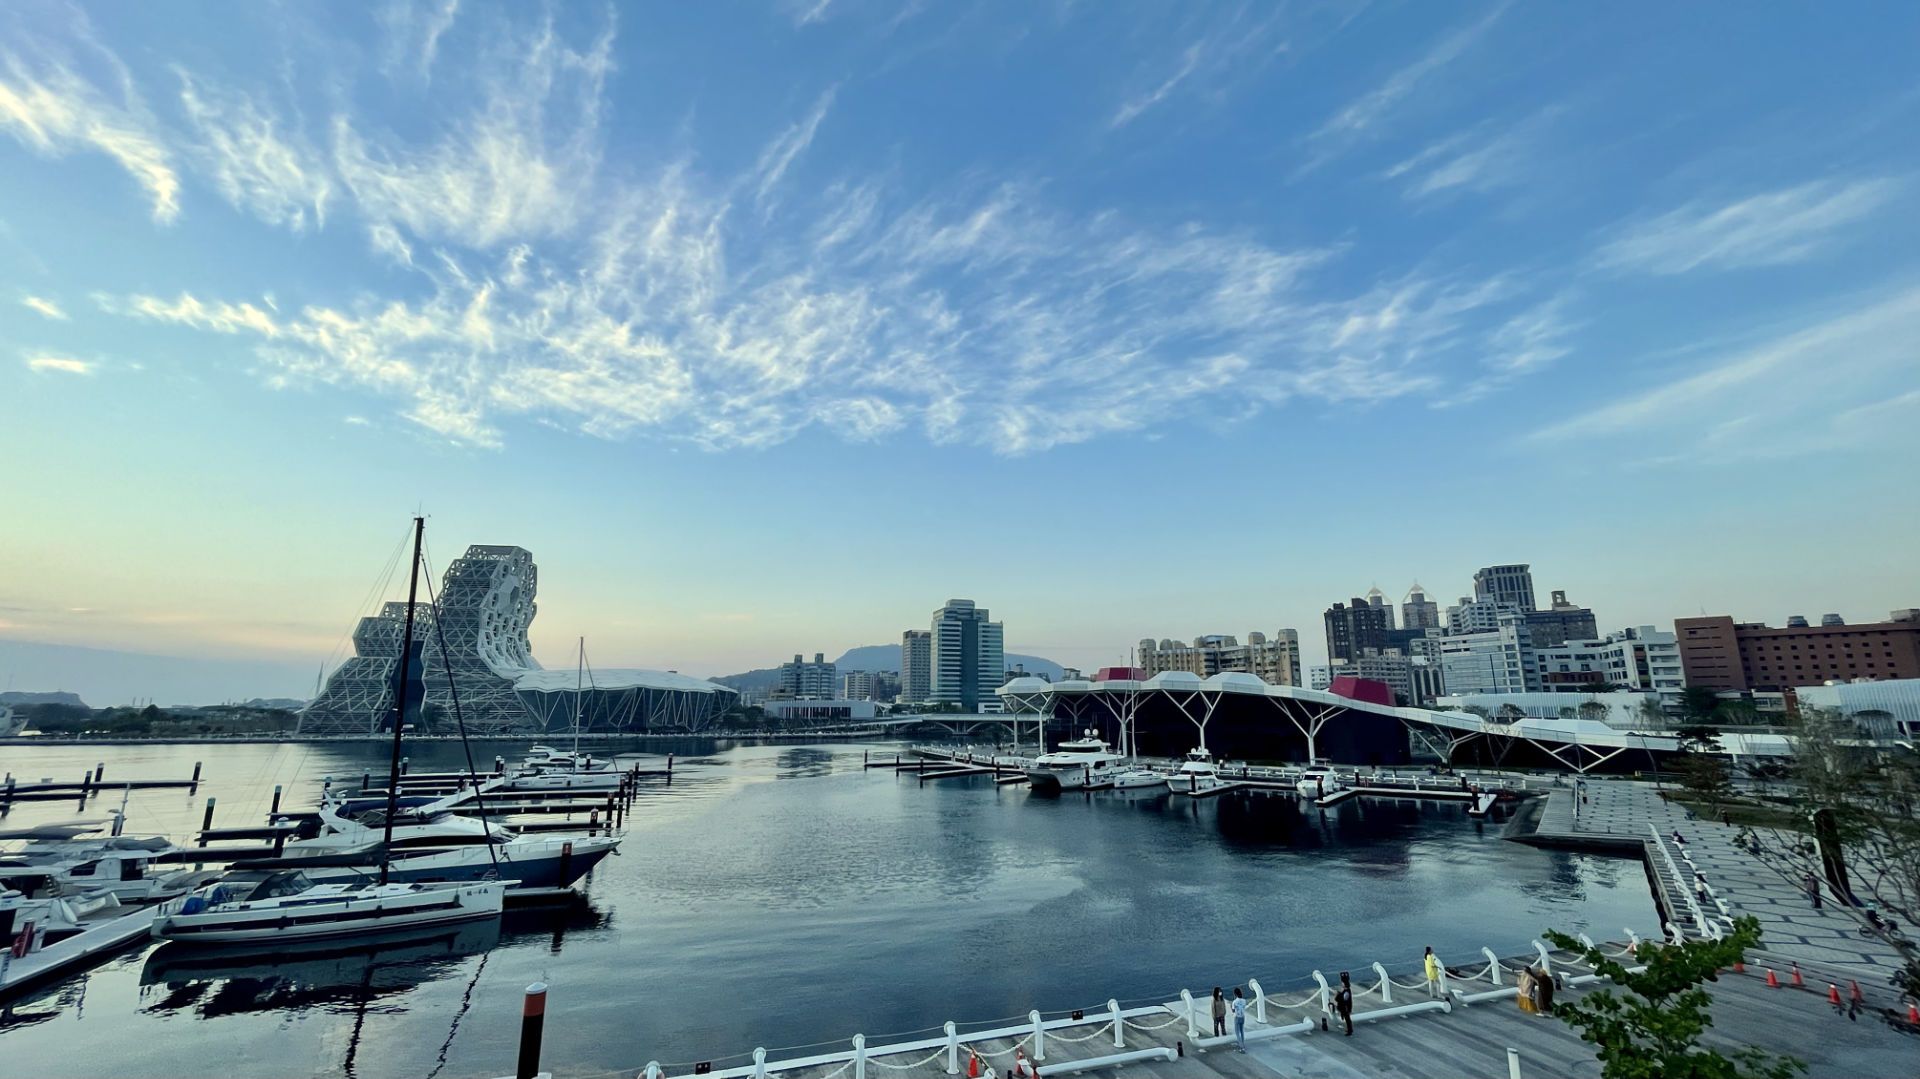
(87, 947)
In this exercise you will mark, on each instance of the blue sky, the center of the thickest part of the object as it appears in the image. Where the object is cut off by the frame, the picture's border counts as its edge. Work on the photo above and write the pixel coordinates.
(769, 327)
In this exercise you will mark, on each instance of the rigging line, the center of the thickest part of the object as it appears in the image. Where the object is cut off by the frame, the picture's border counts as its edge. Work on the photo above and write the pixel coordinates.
(381, 581)
(453, 695)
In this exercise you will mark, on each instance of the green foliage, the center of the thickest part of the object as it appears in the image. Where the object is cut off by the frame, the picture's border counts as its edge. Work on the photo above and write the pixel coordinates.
(1706, 777)
(1651, 1027)
(1699, 702)
(1697, 738)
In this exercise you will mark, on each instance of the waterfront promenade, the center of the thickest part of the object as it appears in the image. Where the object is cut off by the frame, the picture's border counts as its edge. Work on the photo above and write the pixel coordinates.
(1790, 928)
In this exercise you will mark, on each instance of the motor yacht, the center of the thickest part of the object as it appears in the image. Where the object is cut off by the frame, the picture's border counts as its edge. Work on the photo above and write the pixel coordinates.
(1319, 779)
(68, 860)
(549, 759)
(1084, 763)
(287, 906)
(1136, 777)
(1197, 775)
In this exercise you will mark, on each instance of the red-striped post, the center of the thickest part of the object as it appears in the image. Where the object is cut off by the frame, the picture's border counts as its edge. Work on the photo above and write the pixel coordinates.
(533, 1018)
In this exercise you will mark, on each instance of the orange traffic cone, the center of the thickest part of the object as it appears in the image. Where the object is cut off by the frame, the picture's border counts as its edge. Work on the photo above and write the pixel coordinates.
(1833, 994)
(973, 1065)
(1773, 981)
(1913, 1014)
(1798, 981)
(1858, 998)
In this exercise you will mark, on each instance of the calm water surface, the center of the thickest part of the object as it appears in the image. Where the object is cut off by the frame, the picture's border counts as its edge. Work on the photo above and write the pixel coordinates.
(779, 895)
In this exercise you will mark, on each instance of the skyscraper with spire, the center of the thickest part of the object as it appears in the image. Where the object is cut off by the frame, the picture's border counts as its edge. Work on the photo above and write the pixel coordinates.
(1419, 612)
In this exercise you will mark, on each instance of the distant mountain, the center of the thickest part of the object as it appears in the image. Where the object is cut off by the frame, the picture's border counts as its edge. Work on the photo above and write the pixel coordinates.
(764, 678)
(886, 657)
(284, 704)
(116, 677)
(17, 698)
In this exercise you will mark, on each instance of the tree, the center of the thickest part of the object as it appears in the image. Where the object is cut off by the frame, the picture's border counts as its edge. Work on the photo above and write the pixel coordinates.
(1651, 1029)
(1706, 776)
(1510, 713)
(1594, 711)
(1699, 702)
(1859, 831)
(1697, 738)
(1651, 714)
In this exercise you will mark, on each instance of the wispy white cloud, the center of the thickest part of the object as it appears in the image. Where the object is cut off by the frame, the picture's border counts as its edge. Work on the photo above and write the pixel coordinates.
(1478, 160)
(1797, 381)
(45, 307)
(256, 166)
(781, 152)
(67, 365)
(56, 112)
(1189, 59)
(1767, 229)
(1365, 112)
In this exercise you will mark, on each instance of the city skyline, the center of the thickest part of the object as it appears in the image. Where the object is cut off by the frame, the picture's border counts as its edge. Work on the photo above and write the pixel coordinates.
(1338, 295)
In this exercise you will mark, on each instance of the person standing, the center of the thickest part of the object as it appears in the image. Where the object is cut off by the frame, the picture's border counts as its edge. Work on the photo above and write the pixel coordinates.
(1219, 1013)
(1433, 973)
(1525, 996)
(1239, 1019)
(1343, 1001)
(1812, 885)
(1543, 993)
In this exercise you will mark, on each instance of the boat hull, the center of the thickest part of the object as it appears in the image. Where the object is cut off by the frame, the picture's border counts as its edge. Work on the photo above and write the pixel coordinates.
(345, 917)
(549, 866)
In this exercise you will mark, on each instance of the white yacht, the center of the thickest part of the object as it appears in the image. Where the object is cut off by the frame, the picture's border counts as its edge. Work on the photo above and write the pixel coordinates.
(549, 759)
(1197, 776)
(1136, 777)
(1319, 779)
(1084, 763)
(66, 860)
(286, 906)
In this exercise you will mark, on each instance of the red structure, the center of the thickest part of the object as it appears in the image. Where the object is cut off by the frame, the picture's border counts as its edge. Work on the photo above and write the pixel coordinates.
(1120, 674)
(1362, 689)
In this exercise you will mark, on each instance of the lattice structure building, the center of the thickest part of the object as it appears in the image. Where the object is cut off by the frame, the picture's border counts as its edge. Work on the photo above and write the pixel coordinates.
(485, 607)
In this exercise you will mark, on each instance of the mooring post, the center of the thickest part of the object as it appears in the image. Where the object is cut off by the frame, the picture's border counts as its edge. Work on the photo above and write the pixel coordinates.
(1119, 1024)
(859, 1056)
(1386, 984)
(276, 803)
(1259, 1000)
(1493, 964)
(366, 781)
(194, 787)
(206, 822)
(760, 1063)
(405, 762)
(953, 1048)
(1193, 1022)
(533, 1017)
(99, 773)
(1039, 1035)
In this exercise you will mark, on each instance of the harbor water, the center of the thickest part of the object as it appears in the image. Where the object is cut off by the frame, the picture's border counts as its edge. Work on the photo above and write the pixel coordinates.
(778, 895)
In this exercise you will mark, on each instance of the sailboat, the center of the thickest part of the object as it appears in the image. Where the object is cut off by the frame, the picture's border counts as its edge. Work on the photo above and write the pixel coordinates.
(284, 905)
(550, 769)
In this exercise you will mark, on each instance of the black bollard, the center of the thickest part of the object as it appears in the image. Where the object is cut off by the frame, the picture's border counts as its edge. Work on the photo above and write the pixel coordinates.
(533, 1019)
(1180, 1048)
(404, 761)
(86, 784)
(99, 773)
(194, 787)
(366, 781)
(206, 822)
(276, 803)
(566, 861)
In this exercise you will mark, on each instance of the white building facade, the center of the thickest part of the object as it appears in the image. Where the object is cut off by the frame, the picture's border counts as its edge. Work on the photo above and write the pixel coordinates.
(1640, 658)
(916, 666)
(1274, 660)
(801, 680)
(1500, 660)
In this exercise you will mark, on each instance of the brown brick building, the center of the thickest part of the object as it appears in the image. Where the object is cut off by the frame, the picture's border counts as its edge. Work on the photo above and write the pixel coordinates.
(1734, 656)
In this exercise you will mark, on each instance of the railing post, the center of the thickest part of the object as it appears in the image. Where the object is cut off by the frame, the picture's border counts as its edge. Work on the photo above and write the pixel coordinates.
(653, 1069)
(1326, 993)
(1119, 1025)
(1193, 1028)
(1259, 1000)
(1039, 1035)
(760, 1063)
(1493, 964)
(1386, 984)
(859, 1056)
(1446, 991)
(1546, 961)
(953, 1049)
(1513, 1063)
(1587, 940)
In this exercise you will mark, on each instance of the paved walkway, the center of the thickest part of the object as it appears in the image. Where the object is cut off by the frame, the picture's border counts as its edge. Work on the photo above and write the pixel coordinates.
(1790, 928)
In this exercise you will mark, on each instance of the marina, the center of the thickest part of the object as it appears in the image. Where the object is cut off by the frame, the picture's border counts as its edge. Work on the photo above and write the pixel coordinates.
(742, 882)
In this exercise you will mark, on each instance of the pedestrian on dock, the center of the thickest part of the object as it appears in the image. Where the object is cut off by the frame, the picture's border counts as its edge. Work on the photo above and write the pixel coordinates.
(1525, 997)
(1343, 1001)
(1543, 992)
(1219, 1013)
(1433, 974)
(1239, 1019)
(1812, 885)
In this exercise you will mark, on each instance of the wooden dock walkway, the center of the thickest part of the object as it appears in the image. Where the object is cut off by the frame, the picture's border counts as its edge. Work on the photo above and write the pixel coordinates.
(1409, 1037)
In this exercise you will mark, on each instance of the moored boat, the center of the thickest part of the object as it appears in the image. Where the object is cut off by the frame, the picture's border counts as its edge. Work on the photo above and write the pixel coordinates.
(286, 905)
(1084, 763)
(1198, 777)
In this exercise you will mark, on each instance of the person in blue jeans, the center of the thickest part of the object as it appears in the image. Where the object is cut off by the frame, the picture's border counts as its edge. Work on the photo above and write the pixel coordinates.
(1239, 1019)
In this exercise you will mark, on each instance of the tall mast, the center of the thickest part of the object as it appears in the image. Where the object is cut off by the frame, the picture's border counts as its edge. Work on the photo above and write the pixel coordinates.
(400, 698)
(579, 687)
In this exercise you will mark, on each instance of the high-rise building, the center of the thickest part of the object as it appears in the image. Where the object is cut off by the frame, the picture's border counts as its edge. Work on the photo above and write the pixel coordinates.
(916, 666)
(967, 656)
(1739, 657)
(1274, 660)
(1354, 627)
(1419, 612)
(1561, 622)
(856, 686)
(804, 681)
(1378, 600)
(1505, 584)
(1500, 660)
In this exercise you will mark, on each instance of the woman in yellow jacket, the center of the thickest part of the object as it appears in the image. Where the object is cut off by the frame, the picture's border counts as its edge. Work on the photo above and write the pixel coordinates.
(1433, 974)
